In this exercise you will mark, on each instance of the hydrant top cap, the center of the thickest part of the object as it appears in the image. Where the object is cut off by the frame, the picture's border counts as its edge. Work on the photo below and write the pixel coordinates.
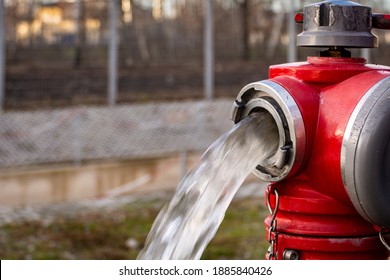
(339, 3)
(337, 24)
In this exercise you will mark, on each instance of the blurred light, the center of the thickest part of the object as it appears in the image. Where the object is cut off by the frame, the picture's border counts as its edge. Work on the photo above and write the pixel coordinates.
(127, 11)
(22, 30)
(50, 15)
(157, 9)
(68, 26)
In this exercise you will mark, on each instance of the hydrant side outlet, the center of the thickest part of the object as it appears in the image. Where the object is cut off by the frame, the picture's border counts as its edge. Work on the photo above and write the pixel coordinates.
(365, 155)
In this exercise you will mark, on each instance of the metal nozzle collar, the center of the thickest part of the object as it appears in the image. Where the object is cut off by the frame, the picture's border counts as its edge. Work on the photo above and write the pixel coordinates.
(276, 100)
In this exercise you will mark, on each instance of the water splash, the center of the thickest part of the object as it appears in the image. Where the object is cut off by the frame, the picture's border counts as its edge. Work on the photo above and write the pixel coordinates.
(186, 225)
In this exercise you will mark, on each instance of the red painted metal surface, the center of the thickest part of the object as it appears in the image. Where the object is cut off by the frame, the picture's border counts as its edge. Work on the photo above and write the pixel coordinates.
(315, 215)
(298, 17)
(311, 248)
(381, 21)
(323, 71)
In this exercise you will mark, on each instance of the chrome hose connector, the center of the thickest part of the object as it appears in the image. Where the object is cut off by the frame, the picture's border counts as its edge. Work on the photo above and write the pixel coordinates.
(268, 96)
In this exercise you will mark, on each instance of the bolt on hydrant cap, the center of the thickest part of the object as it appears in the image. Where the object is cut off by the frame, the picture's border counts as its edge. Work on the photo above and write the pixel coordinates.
(336, 24)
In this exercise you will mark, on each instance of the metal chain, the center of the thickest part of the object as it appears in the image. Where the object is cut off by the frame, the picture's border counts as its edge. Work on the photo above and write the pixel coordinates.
(272, 233)
(382, 238)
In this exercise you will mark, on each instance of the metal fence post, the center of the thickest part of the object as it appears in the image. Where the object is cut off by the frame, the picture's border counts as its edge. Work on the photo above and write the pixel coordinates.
(292, 48)
(2, 57)
(208, 50)
(113, 54)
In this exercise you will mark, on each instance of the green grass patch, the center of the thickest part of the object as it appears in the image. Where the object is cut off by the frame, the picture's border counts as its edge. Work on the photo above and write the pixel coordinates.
(120, 234)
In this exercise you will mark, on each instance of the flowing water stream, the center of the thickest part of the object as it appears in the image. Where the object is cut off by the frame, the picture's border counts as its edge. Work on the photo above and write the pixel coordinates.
(186, 225)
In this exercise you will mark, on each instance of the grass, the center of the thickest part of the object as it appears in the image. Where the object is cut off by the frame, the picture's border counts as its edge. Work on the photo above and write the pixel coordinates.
(120, 234)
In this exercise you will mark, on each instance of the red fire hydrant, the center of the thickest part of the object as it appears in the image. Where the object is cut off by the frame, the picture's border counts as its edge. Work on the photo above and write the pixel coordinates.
(329, 195)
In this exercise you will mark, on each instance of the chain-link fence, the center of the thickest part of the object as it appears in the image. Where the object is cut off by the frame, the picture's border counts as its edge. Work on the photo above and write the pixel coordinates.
(126, 132)
(57, 51)
(57, 56)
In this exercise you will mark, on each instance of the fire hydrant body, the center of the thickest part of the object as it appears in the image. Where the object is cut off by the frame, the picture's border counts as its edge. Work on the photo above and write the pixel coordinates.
(329, 195)
(315, 216)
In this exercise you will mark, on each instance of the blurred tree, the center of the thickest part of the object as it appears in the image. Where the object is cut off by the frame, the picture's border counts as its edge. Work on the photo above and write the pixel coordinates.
(80, 32)
(245, 17)
(28, 13)
(10, 23)
(141, 20)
